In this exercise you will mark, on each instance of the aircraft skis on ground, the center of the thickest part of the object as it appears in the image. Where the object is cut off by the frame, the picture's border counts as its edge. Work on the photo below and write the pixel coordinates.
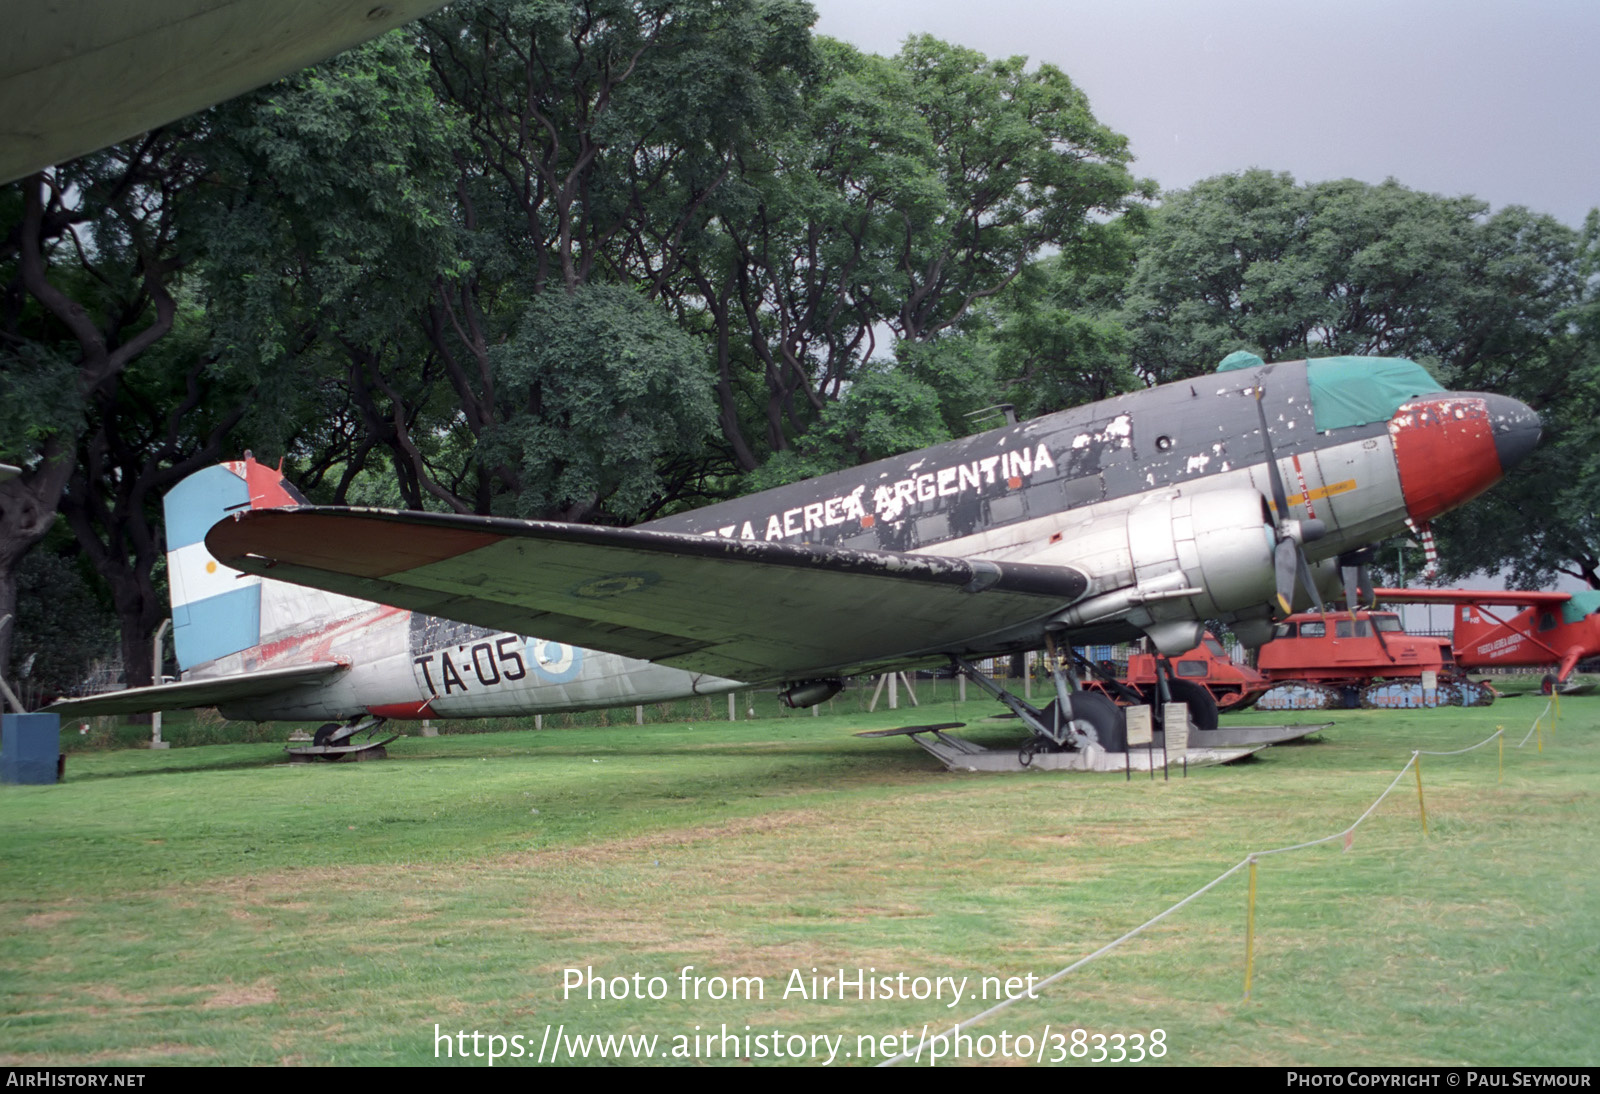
(1229, 497)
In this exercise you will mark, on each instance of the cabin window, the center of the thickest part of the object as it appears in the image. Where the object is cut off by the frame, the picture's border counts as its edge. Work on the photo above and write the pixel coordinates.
(1193, 669)
(1283, 630)
(1547, 621)
(1215, 648)
(933, 527)
(1388, 624)
(1083, 490)
(1005, 509)
(1313, 630)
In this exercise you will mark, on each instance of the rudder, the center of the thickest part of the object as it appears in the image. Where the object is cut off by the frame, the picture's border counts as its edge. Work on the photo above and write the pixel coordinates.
(215, 610)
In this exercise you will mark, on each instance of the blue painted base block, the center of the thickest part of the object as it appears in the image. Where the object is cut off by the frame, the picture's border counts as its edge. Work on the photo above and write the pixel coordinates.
(30, 746)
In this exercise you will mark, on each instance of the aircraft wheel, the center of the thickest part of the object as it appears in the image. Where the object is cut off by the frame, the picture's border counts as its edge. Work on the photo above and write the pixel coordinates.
(1202, 707)
(320, 737)
(1547, 686)
(1110, 727)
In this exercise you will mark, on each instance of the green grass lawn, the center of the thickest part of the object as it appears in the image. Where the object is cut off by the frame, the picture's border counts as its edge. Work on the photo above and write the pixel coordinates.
(217, 905)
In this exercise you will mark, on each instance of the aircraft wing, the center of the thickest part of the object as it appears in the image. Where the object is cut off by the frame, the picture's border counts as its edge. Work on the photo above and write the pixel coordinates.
(196, 693)
(745, 609)
(79, 76)
(1472, 596)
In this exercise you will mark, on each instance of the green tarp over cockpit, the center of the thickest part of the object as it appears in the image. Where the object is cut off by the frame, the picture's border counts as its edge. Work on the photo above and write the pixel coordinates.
(1348, 391)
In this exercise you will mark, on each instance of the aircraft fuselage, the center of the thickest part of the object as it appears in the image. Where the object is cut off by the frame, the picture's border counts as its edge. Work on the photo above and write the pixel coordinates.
(1159, 498)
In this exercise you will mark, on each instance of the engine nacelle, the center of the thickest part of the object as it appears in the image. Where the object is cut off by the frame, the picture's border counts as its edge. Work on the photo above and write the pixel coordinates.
(1173, 561)
(809, 693)
(1222, 543)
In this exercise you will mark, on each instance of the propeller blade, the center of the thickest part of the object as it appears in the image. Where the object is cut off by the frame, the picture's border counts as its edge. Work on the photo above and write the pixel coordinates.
(1288, 557)
(1352, 587)
(1307, 580)
(1286, 563)
(1280, 497)
(1357, 575)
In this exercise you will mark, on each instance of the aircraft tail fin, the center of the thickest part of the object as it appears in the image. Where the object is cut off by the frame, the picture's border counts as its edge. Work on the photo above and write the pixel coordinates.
(216, 611)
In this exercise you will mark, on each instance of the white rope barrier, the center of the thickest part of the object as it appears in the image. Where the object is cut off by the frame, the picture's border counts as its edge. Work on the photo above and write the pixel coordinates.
(928, 1042)
(1537, 720)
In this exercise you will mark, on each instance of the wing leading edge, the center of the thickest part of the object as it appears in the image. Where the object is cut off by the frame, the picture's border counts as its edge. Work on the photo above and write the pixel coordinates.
(744, 609)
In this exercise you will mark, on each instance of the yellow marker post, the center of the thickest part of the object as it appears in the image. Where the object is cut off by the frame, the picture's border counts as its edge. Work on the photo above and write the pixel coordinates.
(1250, 931)
(1422, 806)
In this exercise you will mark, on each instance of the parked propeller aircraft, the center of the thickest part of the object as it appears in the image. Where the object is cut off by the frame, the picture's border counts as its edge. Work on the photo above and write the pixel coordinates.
(1141, 515)
(1558, 629)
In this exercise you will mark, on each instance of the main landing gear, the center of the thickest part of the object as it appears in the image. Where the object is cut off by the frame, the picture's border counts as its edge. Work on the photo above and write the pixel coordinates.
(1077, 719)
(334, 742)
(1086, 730)
(1081, 716)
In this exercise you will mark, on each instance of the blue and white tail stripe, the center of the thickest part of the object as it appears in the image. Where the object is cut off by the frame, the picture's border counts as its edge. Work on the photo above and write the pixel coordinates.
(215, 611)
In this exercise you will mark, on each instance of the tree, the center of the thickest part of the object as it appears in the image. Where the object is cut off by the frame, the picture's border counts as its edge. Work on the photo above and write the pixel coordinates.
(1500, 302)
(598, 133)
(919, 187)
(64, 627)
(1542, 521)
(147, 429)
(601, 392)
(1256, 261)
(323, 238)
(90, 257)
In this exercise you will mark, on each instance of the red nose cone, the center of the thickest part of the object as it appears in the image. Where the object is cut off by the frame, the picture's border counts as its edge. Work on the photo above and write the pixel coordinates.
(1445, 449)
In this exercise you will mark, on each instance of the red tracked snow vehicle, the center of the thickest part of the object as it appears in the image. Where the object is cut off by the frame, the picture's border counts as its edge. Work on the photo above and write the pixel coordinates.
(1339, 661)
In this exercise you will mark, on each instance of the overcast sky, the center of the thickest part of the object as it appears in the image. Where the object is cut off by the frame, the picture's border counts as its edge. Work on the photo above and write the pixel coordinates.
(1496, 99)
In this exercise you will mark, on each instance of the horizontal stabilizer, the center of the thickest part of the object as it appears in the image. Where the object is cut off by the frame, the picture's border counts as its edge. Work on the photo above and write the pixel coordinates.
(197, 693)
(744, 609)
